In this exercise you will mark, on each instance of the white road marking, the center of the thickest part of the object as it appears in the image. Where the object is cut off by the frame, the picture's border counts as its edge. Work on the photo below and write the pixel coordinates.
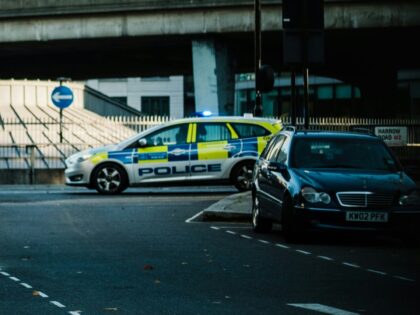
(75, 312)
(246, 236)
(58, 304)
(43, 295)
(303, 252)
(404, 278)
(377, 272)
(231, 232)
(5, 274)
(282, 246)
(194, 217)
(26, 285)
(326, 258)
(263, 241)
(323, 309)
(350, 265)
(14, 279)
(214, 228)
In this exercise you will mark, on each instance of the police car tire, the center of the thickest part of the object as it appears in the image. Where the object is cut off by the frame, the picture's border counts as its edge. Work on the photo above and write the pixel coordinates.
(259, 224)
(123, 181)
(238, 173)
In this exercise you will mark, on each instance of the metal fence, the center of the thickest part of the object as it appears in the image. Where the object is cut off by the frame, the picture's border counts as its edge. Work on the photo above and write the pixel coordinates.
(35, 143)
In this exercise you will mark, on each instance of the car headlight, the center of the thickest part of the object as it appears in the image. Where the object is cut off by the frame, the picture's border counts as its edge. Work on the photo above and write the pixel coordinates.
(407, 199)
(313, 196)
(79, 158)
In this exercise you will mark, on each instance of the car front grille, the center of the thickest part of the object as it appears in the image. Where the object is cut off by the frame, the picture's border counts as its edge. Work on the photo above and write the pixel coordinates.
(364, 199)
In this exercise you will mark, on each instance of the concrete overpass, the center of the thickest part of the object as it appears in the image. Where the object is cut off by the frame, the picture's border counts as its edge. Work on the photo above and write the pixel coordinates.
(366, 41)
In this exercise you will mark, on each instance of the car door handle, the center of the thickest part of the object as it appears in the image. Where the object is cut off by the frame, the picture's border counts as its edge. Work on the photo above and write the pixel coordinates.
(229, 147)
(178, 152)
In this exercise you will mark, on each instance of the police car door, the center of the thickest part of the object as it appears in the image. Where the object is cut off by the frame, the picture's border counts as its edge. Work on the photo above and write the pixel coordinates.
(210, 152)
(164, 157)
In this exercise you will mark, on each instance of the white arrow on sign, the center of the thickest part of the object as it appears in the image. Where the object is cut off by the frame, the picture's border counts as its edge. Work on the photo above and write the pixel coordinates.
(57, 97)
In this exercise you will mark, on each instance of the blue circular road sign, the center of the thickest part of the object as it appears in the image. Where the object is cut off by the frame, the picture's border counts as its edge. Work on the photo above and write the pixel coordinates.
(62, 96)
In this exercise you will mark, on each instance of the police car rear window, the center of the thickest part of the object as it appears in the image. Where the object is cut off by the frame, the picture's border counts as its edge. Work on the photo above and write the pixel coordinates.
(249, 130)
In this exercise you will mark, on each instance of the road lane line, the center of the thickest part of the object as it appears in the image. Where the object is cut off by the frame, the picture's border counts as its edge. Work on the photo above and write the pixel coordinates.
(264, 241)
(246, 236)
(323, 309)
(214, 228)
(43, 295)
(231, 232)
(377, 272)
(5, 274)
(404, 278)
(282, 246)
(58, 304)
(14, 279)
(303, 252)
(350, 265)
(325, 258)
(195, 216)
(75, 312)
(26, 285)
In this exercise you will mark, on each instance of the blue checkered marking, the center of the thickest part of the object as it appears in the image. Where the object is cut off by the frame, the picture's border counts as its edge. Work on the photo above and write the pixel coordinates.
(236, 147)
(194, 152)
(125, 156)
(152, 156)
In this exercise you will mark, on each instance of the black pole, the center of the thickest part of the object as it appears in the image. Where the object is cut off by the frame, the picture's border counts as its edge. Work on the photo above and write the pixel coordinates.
(258, 110)
(61, 119)
(306, 95)
(293, 102)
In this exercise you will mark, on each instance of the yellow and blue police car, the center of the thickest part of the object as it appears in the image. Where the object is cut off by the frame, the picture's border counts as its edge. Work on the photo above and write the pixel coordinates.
(185, 151)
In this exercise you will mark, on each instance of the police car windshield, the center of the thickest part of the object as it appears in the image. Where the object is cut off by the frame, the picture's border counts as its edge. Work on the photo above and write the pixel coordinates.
(346, 153)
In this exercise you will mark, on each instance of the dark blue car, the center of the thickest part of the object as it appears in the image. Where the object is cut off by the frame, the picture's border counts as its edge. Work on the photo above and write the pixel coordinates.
(331, 180)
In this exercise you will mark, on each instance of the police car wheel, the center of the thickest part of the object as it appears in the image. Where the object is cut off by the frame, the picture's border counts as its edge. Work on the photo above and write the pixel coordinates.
(109, 179)
(242, 176)
(259, 224)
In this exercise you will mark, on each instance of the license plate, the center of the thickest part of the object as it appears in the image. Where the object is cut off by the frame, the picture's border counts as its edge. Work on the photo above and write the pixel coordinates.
(365, 216)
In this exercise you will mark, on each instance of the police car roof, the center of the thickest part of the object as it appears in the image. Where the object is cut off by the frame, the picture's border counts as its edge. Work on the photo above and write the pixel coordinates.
(237, 119)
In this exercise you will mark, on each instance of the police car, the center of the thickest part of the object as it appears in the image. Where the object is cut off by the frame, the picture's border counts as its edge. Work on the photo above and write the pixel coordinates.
(192, 150)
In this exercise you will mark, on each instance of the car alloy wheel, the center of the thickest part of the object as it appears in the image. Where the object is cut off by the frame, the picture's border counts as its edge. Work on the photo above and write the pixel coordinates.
(243, 176)
(109, 179)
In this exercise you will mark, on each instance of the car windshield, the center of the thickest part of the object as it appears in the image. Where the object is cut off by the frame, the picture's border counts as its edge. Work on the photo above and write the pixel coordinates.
(349, 153)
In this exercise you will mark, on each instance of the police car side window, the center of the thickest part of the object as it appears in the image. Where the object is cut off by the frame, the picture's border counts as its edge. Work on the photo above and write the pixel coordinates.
(212, 132)
(249, 130)
(168, 136)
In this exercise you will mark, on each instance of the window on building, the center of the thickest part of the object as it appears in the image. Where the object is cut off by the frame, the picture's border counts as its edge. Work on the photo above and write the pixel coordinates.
(155, 105)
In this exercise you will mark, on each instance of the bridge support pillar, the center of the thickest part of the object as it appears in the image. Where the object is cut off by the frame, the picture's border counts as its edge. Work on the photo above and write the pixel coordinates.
(214, 77)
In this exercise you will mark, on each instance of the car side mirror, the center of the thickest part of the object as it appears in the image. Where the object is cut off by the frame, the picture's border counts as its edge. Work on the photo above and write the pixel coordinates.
(142, 142)
(276, 167)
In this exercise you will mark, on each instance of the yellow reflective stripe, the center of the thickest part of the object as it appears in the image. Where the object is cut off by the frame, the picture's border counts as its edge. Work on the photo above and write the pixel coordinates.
(232, 132)
(98, 157)
(157, 149)
(212, 150)
(262, 142)
(194, 133)
(190, 133)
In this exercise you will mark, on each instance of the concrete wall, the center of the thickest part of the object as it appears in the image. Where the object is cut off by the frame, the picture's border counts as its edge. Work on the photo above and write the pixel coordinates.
(185, 18)
(23, 177)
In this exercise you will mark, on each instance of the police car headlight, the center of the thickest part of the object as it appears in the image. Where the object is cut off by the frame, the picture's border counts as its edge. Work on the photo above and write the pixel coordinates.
(79, 158)
(313, 196)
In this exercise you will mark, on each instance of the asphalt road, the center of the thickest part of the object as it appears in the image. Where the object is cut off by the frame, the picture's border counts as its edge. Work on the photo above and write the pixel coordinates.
(71, 252)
